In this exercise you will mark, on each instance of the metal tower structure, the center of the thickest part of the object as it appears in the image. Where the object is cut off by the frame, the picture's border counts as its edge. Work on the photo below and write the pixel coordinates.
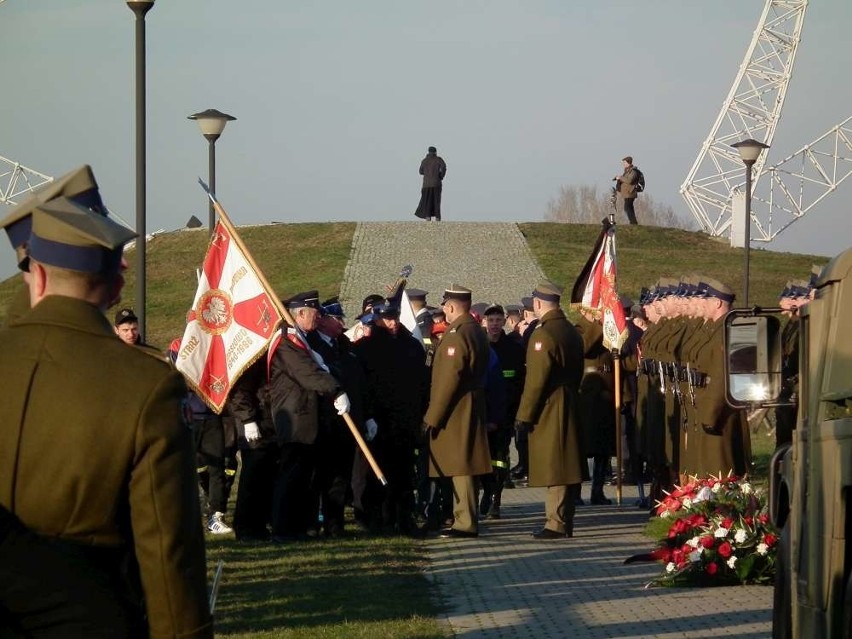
(16, 179)
(801, 180)
(751, 110)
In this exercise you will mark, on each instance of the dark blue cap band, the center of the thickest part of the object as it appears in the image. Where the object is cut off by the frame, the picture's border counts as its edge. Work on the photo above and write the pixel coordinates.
(88, 259)
(19, 231)
(547, 297)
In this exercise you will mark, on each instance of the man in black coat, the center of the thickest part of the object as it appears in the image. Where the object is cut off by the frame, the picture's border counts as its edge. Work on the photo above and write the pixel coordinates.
(335, 446)
(433, 169)
(297, 381)
(397, 386)
(249, 405)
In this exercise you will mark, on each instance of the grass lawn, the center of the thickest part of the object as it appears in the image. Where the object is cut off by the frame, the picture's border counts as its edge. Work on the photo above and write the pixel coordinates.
(359, 587)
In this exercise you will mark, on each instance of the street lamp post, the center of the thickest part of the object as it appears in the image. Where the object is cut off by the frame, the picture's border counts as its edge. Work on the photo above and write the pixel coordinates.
(749, 151)
(140, 8)
(212, 123)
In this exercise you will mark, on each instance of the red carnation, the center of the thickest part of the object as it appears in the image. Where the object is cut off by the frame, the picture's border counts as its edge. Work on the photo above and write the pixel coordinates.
(725, 550)
(727, 523)
(662, 554)
(763, 518)
(748, 520)
(711, 568)
(769, 539)
(707, 541)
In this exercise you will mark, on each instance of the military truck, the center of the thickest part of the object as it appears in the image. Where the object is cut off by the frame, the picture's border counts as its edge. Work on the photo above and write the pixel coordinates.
(810, 486)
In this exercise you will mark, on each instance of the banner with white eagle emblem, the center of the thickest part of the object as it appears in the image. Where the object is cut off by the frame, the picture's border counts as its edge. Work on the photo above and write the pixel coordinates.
(233, 317)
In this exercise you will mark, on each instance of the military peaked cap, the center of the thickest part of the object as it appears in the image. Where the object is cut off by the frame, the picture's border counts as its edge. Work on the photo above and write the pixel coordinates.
(69, 236)
(527, 303)
(479, 308)
(417, 294)
(711, 287)
(309, 299)
(371, 300)
(333, 307)
(456, 292)
(547, 291)
(513, 309)
(79, 186)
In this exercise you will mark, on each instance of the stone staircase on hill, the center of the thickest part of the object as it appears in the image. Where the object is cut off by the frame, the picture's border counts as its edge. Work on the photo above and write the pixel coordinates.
(490, 258)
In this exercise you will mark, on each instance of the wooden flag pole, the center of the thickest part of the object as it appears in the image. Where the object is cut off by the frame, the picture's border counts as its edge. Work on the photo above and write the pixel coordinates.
(226, 222)
(618, 450)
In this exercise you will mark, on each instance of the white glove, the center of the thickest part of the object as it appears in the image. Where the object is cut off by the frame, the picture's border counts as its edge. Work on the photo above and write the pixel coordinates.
(372, 428)
(252, 432)
(342, 404)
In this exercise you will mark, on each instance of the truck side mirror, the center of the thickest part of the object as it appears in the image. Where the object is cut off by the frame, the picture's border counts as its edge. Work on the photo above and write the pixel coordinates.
(753, 358)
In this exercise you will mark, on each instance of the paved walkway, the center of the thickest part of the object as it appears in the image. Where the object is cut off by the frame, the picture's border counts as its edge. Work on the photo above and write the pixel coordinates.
(507, 584)
(473, 254)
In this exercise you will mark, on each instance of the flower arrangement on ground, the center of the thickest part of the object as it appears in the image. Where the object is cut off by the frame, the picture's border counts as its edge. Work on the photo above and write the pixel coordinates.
(719, 534)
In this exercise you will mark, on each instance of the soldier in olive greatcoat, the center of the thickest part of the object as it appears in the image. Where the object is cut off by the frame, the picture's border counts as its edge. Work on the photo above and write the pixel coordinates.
(95, 453)
(455, 420)
(548, 411)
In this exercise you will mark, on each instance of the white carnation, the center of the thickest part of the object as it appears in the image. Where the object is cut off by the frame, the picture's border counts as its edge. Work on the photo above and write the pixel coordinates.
(721, 533)
(762, 548)
(732, 561)
(687, 502)
(693, 542)
(716, 487)
(695, 555)
(670, 567)
(665, 514)
(703, 495)
(746, 488)
(740, 535)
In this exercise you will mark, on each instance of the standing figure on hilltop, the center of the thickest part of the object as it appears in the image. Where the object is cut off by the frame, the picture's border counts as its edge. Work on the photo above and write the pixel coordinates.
(433, 169)
(629, 185)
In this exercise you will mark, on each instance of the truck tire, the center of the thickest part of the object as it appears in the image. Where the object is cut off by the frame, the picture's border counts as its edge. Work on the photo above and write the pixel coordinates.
(782, 600)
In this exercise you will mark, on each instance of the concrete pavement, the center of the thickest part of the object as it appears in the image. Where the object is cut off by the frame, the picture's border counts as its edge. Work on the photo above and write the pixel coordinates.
(507, 584)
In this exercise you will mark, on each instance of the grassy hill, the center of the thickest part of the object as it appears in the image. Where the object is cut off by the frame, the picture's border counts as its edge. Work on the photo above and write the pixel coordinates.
(296, 257)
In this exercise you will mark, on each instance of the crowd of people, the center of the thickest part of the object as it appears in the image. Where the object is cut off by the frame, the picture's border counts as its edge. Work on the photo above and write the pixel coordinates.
(98, 491)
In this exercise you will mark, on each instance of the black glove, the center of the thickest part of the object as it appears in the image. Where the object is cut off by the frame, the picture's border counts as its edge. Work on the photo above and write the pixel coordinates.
(523, 427)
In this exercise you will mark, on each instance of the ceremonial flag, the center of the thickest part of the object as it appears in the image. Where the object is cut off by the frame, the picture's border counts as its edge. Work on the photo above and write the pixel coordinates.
(407, 318)
(233, 317)
(596, 289)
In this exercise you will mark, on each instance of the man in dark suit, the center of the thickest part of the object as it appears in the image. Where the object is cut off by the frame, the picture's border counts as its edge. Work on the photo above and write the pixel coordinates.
(95, 453)
(296, 383)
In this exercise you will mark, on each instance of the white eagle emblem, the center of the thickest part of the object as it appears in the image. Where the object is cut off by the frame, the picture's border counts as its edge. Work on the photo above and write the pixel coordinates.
(537, 346)
(451, 351)
(216, 312)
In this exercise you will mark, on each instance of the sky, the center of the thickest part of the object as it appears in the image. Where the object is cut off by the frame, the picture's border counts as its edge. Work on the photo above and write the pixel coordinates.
(336, 102)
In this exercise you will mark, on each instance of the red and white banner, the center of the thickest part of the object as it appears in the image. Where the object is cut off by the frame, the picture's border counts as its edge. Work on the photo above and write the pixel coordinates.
(596, 290)
(231, 322)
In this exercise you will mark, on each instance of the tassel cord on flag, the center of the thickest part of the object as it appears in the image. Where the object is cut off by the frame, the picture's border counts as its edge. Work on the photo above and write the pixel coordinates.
(226, 222)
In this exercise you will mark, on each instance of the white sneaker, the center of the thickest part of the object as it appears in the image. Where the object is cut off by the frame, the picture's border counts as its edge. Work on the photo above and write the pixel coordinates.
(216, 526)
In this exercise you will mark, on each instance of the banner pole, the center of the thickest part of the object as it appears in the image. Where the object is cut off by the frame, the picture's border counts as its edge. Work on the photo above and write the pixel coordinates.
(618, 448)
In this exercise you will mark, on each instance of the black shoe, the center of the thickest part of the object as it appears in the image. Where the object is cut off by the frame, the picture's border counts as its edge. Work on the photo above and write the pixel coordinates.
(546, 533)
(493, 514)
(485, 505)
(600, 501)
(579, 502)
(519, 473)
(508, 483)
(457, 534)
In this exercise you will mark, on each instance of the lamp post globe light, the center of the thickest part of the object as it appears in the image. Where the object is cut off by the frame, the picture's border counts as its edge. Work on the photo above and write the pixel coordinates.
(140, 8)
(749, 151)
(212, 123)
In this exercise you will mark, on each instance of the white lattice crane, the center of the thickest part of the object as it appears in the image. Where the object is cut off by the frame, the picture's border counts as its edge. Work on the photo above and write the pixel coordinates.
(751, 110)
(16, 179)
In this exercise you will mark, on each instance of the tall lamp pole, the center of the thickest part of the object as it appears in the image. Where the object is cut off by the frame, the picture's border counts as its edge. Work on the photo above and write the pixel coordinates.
(212, 123)
(140, 8)
(749, 151)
